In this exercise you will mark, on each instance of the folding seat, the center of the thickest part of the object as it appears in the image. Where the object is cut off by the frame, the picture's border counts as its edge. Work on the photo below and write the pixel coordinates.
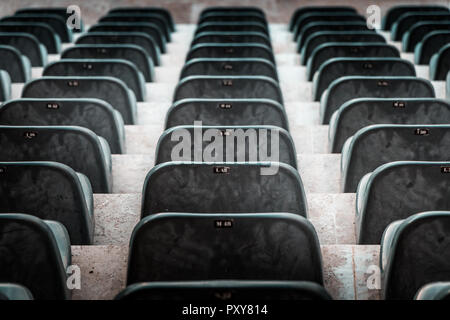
(35, 254)
(236, 37)
(322, 37)
(118, 68)
(232, 17)
(43, 32)
(434, 291)
(430, 45)
(227, 112)
(391, 143)
(308, 9)
(346, 88)
(17, 66)
(60, 11)
(414, 252)
(145, 27)
(331, 50)
(10, 291)
(440, 63)
(395, 12)
(356, 114)
(231, 144)
(419, 30)
(5, 86)
(193, 247)
(230, 50)
(223, 187)
(228, 290)
(138, 39)
(243, 26)
(334, 68)
(214, 87)
(144, 10)
(56, 23)
(229, 67)
(111, 90)
(397, 190)
(28, 45)
(49, 191)
(233, 9)
(77, 147)
(93, 114)
(407, 20)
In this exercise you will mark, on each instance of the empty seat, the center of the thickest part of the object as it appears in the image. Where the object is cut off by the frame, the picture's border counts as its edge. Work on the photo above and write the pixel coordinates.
(227, 112)
(60, 11)
(394, 13)
(414, 252)
(229, 67)
(434, 291)
(49, 191)
(35, 254)
(214, 87)
(231, 50)
(230, 37)
(28, 45)
(192, 247)
(232, 143)
(407, 20)
(243, 26)
(356, 114)
(419, 30)
(222, 9)
(5, 86)
(335, 68)
(346, 88)
(228, 290)
(331, 50)
(112, 90)
(94, 114)
(17, 66)
(10, 291)
(430, 45)
(223, 187)
(117, 68)
(440, 63)
(161, 11)
(391, 143)
(232, 17)
(397, 190)
(307, 9)
(43, 32)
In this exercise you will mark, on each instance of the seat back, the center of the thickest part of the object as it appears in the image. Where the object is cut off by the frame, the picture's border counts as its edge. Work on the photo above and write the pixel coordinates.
(243, 26)
(163, 12)
(308, 9)
(440, 63)
(232, 17)
(17, 66)
(419, 30)
(230, 50)
(232, 37)
(60, 11)
(394, 13)
(430, 44)
(42, 31)
(28, 45)
(407, 20)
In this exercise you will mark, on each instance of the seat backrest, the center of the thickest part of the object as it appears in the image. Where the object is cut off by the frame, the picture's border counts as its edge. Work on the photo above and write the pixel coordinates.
(230, 37)
(243, 26)
(434, 291)
(232, 17)
(430, 44)
(407, 20)
(17, 66)
(307, 9)
(224, 9)
(60, 11)
(163, 12)
(394, 13)
(440, 63)
(230, 50)
(419, 30)
(43, 32)
(5, 86)
(28, 45)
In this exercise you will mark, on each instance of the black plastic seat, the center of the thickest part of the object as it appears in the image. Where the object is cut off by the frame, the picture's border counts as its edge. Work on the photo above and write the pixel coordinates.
(232, 17)
(229, 67)
(222, 9)
(28, 45)
(35, 254)
(240, 87)
(434, 291)
(17, 66)
(94, 114)
(396, 191)
(419, 30)
(111, 90)
(77, 147)
(227, 112)
(440, 63)
(10, 292)
(243, 26)
(356, 114)
(60, 11)
(391, 143)
(223, 187)
(232, 37)
(308, 9)
(237, 144)
(230, 50)
(414, 252)
(430, 45)
(5, 86)
(228, 290)
(117, 68)
(331, 50)
(407, 20)
(346, 88)
(49, 191)
(335, 68)
(192, 247)
(394, 13)
(163, 12)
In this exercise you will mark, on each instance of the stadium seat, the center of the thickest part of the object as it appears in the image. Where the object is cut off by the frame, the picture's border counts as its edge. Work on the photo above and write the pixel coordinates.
(440, 63)
(235, 143)
(112, 90)
(231, 50)
(77, 147)
(419, 30)
(60, 11)
(117, 68)
(5, 86)
(397, 190)
(430, 45)
(407, 20)
(308, 9)
(141, 10)
(394, 13)
(346, 88)
(232, 17)
(28, 45)
(226, 87)
(414, 252)
(228, 290)
(10, 291)
(192, 247)
(17, 66)
(239, 9)
(49, 191)
(229, 67)
(243, 26)
(434, 291)
(35, 254)
(232, 37)
(227, 112)
(356, 114)
(391, 143)
(223, 187)
(94, 114)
